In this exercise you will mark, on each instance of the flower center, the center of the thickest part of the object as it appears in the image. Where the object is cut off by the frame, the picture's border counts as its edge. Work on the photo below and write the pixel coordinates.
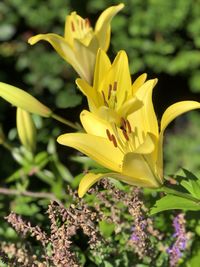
(124, 137)
(81, 29)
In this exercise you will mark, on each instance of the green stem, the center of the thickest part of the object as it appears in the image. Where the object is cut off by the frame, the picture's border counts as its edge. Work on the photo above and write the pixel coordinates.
(179, 194)
(7, 146)
(66, 122)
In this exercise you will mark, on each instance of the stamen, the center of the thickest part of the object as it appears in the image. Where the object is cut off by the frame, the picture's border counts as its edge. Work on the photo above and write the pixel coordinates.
(109, 91)
(128, 126)
(114, 140)
(104, 98)
(87, 22)
(73, 27)
(109, 135)
(125, 135)
(123, 123)
(115, 86)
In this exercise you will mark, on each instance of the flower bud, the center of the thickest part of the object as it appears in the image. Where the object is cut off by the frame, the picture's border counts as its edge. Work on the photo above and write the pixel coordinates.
(23, 100)
(26, 129)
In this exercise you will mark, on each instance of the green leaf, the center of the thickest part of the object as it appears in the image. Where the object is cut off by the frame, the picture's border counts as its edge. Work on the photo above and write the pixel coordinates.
(193, 187)
(171, 202)
(106, 228)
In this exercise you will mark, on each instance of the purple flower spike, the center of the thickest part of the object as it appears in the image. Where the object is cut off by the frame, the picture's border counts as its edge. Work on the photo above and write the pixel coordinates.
(175, 252)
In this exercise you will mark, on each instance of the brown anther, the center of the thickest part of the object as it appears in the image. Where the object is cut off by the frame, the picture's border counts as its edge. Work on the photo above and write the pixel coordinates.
(125, 135)
(115, 86)
(109, 135)
(109, 91)
(87, 22)
(114, 140)
(123, 123)
(128, 126)
(73, 27)
(104, 98)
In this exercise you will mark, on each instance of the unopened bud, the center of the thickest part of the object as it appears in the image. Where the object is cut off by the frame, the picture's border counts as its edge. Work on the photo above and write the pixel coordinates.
(26, 129)
(23, 100)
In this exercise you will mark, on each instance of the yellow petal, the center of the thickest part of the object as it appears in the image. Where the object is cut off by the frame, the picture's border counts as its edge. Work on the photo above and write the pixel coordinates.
(26, 129)
(102, 67)
(144, 119)
(176, 110)
(136, 166)
(148, 145)
(62, 48)
(102, 27)
(23, 100)
(94, 101)
(130, 106)
(86, 58)
(98, 148)
(133, 180)
(170, 114)
(138, 82)
(87, 182)
(93, 124)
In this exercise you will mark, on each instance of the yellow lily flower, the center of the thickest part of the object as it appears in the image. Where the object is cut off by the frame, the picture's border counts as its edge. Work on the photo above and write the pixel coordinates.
(81, 42)
(132, 152)
(112, 95)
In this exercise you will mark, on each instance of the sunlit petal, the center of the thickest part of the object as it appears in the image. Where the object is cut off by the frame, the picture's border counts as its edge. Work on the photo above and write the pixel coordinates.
(102, 66)
(87, 182)
(145, 119)
(138, 83)
(98, 148)
(102, 27)
(170, 114)
(136, 166)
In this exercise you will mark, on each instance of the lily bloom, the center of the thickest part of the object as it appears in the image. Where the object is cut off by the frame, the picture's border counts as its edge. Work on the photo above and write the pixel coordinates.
(81, 42)
(133, 152)
(112, 94)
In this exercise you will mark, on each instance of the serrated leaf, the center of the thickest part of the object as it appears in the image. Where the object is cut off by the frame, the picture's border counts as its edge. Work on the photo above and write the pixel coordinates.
(171, 202)
(193, 187)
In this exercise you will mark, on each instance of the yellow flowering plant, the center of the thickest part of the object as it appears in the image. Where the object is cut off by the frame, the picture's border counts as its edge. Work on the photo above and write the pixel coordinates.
(81, 42)
(134, 152)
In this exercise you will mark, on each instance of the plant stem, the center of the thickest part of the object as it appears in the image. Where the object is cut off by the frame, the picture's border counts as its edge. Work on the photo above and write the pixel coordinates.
(66, 122)
(179, 194)
(6, 191)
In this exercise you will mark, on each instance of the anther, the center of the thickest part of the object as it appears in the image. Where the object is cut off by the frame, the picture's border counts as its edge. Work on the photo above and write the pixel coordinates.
(114, 140)
(109, 91)
(104, 98)
(115, 86)
(73, 27)
(123, 123)
(128, 126)
(109, 135)
(125, 135)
